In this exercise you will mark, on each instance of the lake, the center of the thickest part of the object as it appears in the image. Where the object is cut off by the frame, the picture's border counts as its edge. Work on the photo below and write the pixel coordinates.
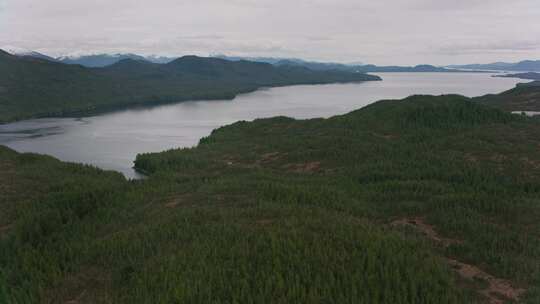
(111, 141)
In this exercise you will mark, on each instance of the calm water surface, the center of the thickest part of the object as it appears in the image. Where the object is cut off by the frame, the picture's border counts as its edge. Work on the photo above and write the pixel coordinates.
(111, 141)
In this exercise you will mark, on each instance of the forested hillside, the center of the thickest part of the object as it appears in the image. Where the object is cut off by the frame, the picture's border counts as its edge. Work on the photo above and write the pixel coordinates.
(31, 87)
(422, 200)
(524, 97)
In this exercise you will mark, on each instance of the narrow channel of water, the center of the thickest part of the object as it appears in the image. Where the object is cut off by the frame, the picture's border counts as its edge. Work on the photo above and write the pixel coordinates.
(111, 141)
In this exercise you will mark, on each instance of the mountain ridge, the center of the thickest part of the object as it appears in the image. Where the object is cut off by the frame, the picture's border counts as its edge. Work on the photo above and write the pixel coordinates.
(363, 68)
(521, 66)
(106, 59)
(103, 60)
(39, 88)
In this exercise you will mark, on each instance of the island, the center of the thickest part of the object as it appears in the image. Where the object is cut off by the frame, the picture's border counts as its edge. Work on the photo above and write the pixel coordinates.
(528, 75)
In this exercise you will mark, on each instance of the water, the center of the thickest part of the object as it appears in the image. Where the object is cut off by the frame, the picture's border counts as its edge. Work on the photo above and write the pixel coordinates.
(111, 141)
(527, 113)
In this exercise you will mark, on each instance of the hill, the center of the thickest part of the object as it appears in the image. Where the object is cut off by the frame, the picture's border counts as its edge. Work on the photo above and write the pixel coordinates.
(424, 68)
(421, 200)
(524, 97)
(328, 66)
(526, 66)
(366, 68)
(32, 87)
(313, 65)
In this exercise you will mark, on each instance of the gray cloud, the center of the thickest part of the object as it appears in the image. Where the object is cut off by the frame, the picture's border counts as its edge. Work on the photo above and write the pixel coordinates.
(383, 32)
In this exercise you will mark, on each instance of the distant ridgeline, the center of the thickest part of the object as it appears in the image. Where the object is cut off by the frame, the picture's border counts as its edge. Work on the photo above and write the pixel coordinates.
(34, 87)
(429, 199)
(363, 68)
(524, 66)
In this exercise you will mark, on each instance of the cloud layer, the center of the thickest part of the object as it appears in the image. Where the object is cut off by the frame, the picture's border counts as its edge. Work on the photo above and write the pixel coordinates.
(383, 32)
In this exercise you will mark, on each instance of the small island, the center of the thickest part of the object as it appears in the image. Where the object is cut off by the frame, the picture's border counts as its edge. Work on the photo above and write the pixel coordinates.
(528, 76)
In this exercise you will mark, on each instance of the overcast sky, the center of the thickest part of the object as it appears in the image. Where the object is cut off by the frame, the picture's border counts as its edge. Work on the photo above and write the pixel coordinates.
(370, 31)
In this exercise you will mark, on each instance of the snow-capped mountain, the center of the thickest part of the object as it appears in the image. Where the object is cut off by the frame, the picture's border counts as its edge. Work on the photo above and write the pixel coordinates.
(102, 60)
(21, 52)
(86, 59)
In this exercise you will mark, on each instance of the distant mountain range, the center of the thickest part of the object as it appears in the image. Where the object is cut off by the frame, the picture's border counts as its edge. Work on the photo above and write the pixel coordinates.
(90, 60)
(356, 67)
(103, 60)
(317, 66)
(16, 51)
(34, 87)
(522, 66)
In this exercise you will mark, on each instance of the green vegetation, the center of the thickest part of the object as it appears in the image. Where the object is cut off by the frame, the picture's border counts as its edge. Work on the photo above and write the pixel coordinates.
(524, 97)
(35, 88)
(376, 206)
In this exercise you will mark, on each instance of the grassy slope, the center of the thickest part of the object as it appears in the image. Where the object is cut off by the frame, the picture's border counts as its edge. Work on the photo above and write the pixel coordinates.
(286, 211)
(34, 88)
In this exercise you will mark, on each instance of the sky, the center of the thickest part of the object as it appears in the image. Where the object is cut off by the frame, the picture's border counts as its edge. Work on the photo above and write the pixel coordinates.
(384, 32)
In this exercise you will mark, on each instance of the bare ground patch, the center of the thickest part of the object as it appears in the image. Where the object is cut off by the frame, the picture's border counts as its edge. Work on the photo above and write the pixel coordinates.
(4, 229)
(497, 290)
(385, 136)
(426, 229)
(179, 200)
(264, 159)
(270, 157)
(531, 163)
(310, 167)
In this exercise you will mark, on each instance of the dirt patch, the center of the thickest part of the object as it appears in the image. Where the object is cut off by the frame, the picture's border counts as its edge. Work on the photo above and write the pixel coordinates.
(385, 136)
(77, 299)
(265, 159)
(471, 158)
(310, 167)
(498, 158)
(426, 229)
(497, 290)
(178, 200)
(531, 163)
(269, 157)
(4, 230)
(228, 159)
